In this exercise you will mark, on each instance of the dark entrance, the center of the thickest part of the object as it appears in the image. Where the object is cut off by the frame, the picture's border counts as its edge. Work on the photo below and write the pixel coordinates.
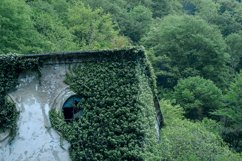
(72, 109)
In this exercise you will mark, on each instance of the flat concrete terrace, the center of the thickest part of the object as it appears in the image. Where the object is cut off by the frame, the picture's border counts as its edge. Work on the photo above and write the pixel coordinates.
(36, 95)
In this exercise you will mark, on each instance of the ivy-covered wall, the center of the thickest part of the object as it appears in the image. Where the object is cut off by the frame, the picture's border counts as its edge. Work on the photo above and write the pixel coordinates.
(118, 96)
(117, 90)
(10, 68)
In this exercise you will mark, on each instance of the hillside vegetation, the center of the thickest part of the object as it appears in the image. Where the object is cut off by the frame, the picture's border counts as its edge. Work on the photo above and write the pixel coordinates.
(195, 47)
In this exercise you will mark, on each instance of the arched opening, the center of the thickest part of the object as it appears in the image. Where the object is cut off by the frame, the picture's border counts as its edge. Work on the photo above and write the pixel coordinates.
(72, 109)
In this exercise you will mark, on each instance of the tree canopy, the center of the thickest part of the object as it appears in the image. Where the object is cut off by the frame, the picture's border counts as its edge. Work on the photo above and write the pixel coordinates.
(199, 97)
(44, 26)
(17, 30)
(232, 114)
(187, 46)
(194, 47)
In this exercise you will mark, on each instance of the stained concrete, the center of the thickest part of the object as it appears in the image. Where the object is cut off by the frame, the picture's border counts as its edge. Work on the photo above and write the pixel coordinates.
(34, 97)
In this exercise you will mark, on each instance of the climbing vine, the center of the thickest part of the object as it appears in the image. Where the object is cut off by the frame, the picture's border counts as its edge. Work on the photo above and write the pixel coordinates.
(10, 68)
(119, 115)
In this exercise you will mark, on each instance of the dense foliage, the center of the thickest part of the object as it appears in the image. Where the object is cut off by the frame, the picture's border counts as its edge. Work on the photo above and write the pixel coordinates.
(185, 140)
(184, 38)
(119, 113)
(232, 114)
(44, 26)
(199, 97)
(10, 68)
(17, 30)
(235, 50)
(190, 47)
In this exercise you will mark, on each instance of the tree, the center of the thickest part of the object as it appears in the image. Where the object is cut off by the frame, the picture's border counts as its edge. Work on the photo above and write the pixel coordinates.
(138, 23)
(231, 115)
(226, 14)
(16, 29)
(165, 7)
(133, 18)
(229, 16)
(132, 4)
(206, 9)
(185, 140)
(187, 46)
(93, 29)
(199, 97)
(46, 20)
(235, 50)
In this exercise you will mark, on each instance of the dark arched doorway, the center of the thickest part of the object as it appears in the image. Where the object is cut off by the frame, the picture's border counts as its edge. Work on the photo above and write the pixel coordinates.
(72, 109)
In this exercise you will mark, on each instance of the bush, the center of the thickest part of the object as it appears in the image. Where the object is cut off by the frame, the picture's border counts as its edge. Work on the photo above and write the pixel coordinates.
(231, 115)
(185, 140)
(198, 97)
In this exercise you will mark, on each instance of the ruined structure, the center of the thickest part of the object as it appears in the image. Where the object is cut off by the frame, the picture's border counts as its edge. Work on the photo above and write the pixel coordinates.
(39, 92)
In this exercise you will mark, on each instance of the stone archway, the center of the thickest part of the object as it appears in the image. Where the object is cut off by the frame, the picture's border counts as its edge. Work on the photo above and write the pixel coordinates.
(61, 98)
(65, 102)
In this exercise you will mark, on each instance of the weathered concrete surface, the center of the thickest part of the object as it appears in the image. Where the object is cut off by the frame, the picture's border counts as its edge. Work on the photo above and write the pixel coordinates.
(35, 139)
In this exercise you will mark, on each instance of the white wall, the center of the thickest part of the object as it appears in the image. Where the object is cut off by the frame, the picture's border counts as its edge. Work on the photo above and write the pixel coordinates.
(34, 97)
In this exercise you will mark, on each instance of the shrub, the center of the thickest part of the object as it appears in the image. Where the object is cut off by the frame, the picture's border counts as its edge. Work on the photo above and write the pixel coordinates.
(198, 97)
(182, 139)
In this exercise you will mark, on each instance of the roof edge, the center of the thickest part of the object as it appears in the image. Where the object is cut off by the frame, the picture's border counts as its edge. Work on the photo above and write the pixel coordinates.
(80, 54)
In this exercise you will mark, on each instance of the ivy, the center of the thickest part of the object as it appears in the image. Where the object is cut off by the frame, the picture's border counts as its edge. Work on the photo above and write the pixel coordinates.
(117, 93)
(10, 68)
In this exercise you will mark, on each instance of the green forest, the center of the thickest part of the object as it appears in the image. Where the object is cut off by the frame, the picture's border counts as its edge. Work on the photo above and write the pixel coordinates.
(195, 47)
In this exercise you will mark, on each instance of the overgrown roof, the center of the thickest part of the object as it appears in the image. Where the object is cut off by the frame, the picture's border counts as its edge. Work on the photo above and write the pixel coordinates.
(69, 57)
